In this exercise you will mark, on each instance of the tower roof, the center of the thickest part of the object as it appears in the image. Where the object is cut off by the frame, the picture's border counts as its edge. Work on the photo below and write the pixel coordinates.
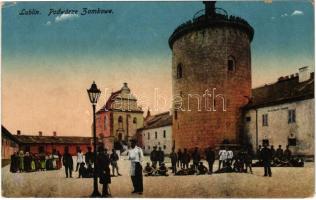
(212, 17)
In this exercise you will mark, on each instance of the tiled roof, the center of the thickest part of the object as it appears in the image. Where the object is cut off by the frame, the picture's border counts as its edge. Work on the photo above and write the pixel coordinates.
(159, 120)
(287, 89)
(32, 139)
(6, 134)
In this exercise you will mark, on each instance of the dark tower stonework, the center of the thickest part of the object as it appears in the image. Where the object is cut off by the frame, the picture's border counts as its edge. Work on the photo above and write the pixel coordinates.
(210, 52)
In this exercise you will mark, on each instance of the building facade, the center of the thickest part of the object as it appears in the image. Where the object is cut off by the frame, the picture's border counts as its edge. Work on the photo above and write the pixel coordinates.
(283, 114)
(157, 131)
(42, 143)
(119, 119)
(210, 57)
(9, 144)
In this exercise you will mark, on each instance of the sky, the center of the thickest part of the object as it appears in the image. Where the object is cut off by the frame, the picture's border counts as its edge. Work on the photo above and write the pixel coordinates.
(48, 62)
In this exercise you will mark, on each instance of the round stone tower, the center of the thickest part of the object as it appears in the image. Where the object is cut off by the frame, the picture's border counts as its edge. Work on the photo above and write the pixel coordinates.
(211, 73)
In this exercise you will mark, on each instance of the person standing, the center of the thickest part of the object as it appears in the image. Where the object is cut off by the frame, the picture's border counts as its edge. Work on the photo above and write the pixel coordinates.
(210, 158)
(89, 158)
(68, 163)
(230, 155)
(103, 170)
(79, 159)
(196, 157)
(222, 157)
(179, 163)
(154, 157)
(185, 159)
(287, 154)
(161, 156)
(266, 159)
(174, 160)
(279, 153)
(135, 155)
(114, 158)
(14, 162)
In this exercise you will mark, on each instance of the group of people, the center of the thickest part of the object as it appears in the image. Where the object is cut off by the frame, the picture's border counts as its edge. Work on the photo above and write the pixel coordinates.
(280, 157)
(29, 162)
(228, 162)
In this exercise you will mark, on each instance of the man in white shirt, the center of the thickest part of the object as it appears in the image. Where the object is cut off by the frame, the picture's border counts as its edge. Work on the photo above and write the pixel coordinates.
(79, 159)
(230, 156)
(135, 155)
(222, 157)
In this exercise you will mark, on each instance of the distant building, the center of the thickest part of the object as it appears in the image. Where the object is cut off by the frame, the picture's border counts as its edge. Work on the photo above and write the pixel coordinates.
(119, 119)
(40, 143)
(157, 131)
(9, 144)
(282, 113)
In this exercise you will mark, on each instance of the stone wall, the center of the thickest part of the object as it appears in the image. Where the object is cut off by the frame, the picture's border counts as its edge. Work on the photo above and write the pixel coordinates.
(204, 57)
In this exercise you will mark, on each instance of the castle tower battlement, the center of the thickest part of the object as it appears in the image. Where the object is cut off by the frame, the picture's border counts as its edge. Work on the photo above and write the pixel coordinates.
(211, 74)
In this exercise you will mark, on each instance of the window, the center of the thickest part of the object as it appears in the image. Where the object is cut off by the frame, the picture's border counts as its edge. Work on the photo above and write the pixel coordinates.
(164, 147)
(265, 142)
(164, 133)
(231, 63)
(175, 115)
(148, 147)
(120, 119)
(135, 120)
(155, 135)
(248, 119)
(148, 136)
(179, 71)
(292, 141)
(265, 120)
(291, 116)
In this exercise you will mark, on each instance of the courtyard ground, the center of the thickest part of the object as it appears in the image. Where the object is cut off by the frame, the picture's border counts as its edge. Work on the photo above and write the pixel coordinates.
(285, 182)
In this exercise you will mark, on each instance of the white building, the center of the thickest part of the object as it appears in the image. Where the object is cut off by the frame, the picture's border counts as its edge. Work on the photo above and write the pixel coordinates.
(157, 131)
(282, 113)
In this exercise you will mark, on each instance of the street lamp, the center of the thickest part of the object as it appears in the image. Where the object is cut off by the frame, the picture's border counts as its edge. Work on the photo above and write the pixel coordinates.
(94, 94)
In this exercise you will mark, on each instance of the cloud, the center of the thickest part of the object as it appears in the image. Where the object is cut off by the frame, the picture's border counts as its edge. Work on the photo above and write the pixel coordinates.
(48, 23)
(273, 18)
(65, 17)
(7, 4)
(284, 15)
(297, 12)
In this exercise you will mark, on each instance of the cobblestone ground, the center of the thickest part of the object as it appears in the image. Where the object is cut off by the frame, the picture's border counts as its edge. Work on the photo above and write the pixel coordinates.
(286, 182)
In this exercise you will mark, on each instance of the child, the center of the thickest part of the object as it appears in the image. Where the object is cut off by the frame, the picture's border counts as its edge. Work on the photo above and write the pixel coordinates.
(83, 171)
(149, 171)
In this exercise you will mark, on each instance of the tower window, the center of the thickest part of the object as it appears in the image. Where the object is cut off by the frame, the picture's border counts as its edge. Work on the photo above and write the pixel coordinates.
(135, 120)
(155, 135)
(179, 71)
(231, 64)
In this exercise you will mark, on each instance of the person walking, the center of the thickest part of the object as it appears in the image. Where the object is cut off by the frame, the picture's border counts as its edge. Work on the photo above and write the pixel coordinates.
(266, 159)
(103, 170)
(68, 163)
(114, 158)
(210, 158)
(174, 160)
(135, 155)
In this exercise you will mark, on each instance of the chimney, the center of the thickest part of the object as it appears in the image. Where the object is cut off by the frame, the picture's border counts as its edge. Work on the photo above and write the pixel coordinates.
(54, 133)
(18, 132)
(303, 74)
(40, 133)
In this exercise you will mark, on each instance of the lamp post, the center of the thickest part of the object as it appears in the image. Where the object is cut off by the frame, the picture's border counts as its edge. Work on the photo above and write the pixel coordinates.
(94, 94)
